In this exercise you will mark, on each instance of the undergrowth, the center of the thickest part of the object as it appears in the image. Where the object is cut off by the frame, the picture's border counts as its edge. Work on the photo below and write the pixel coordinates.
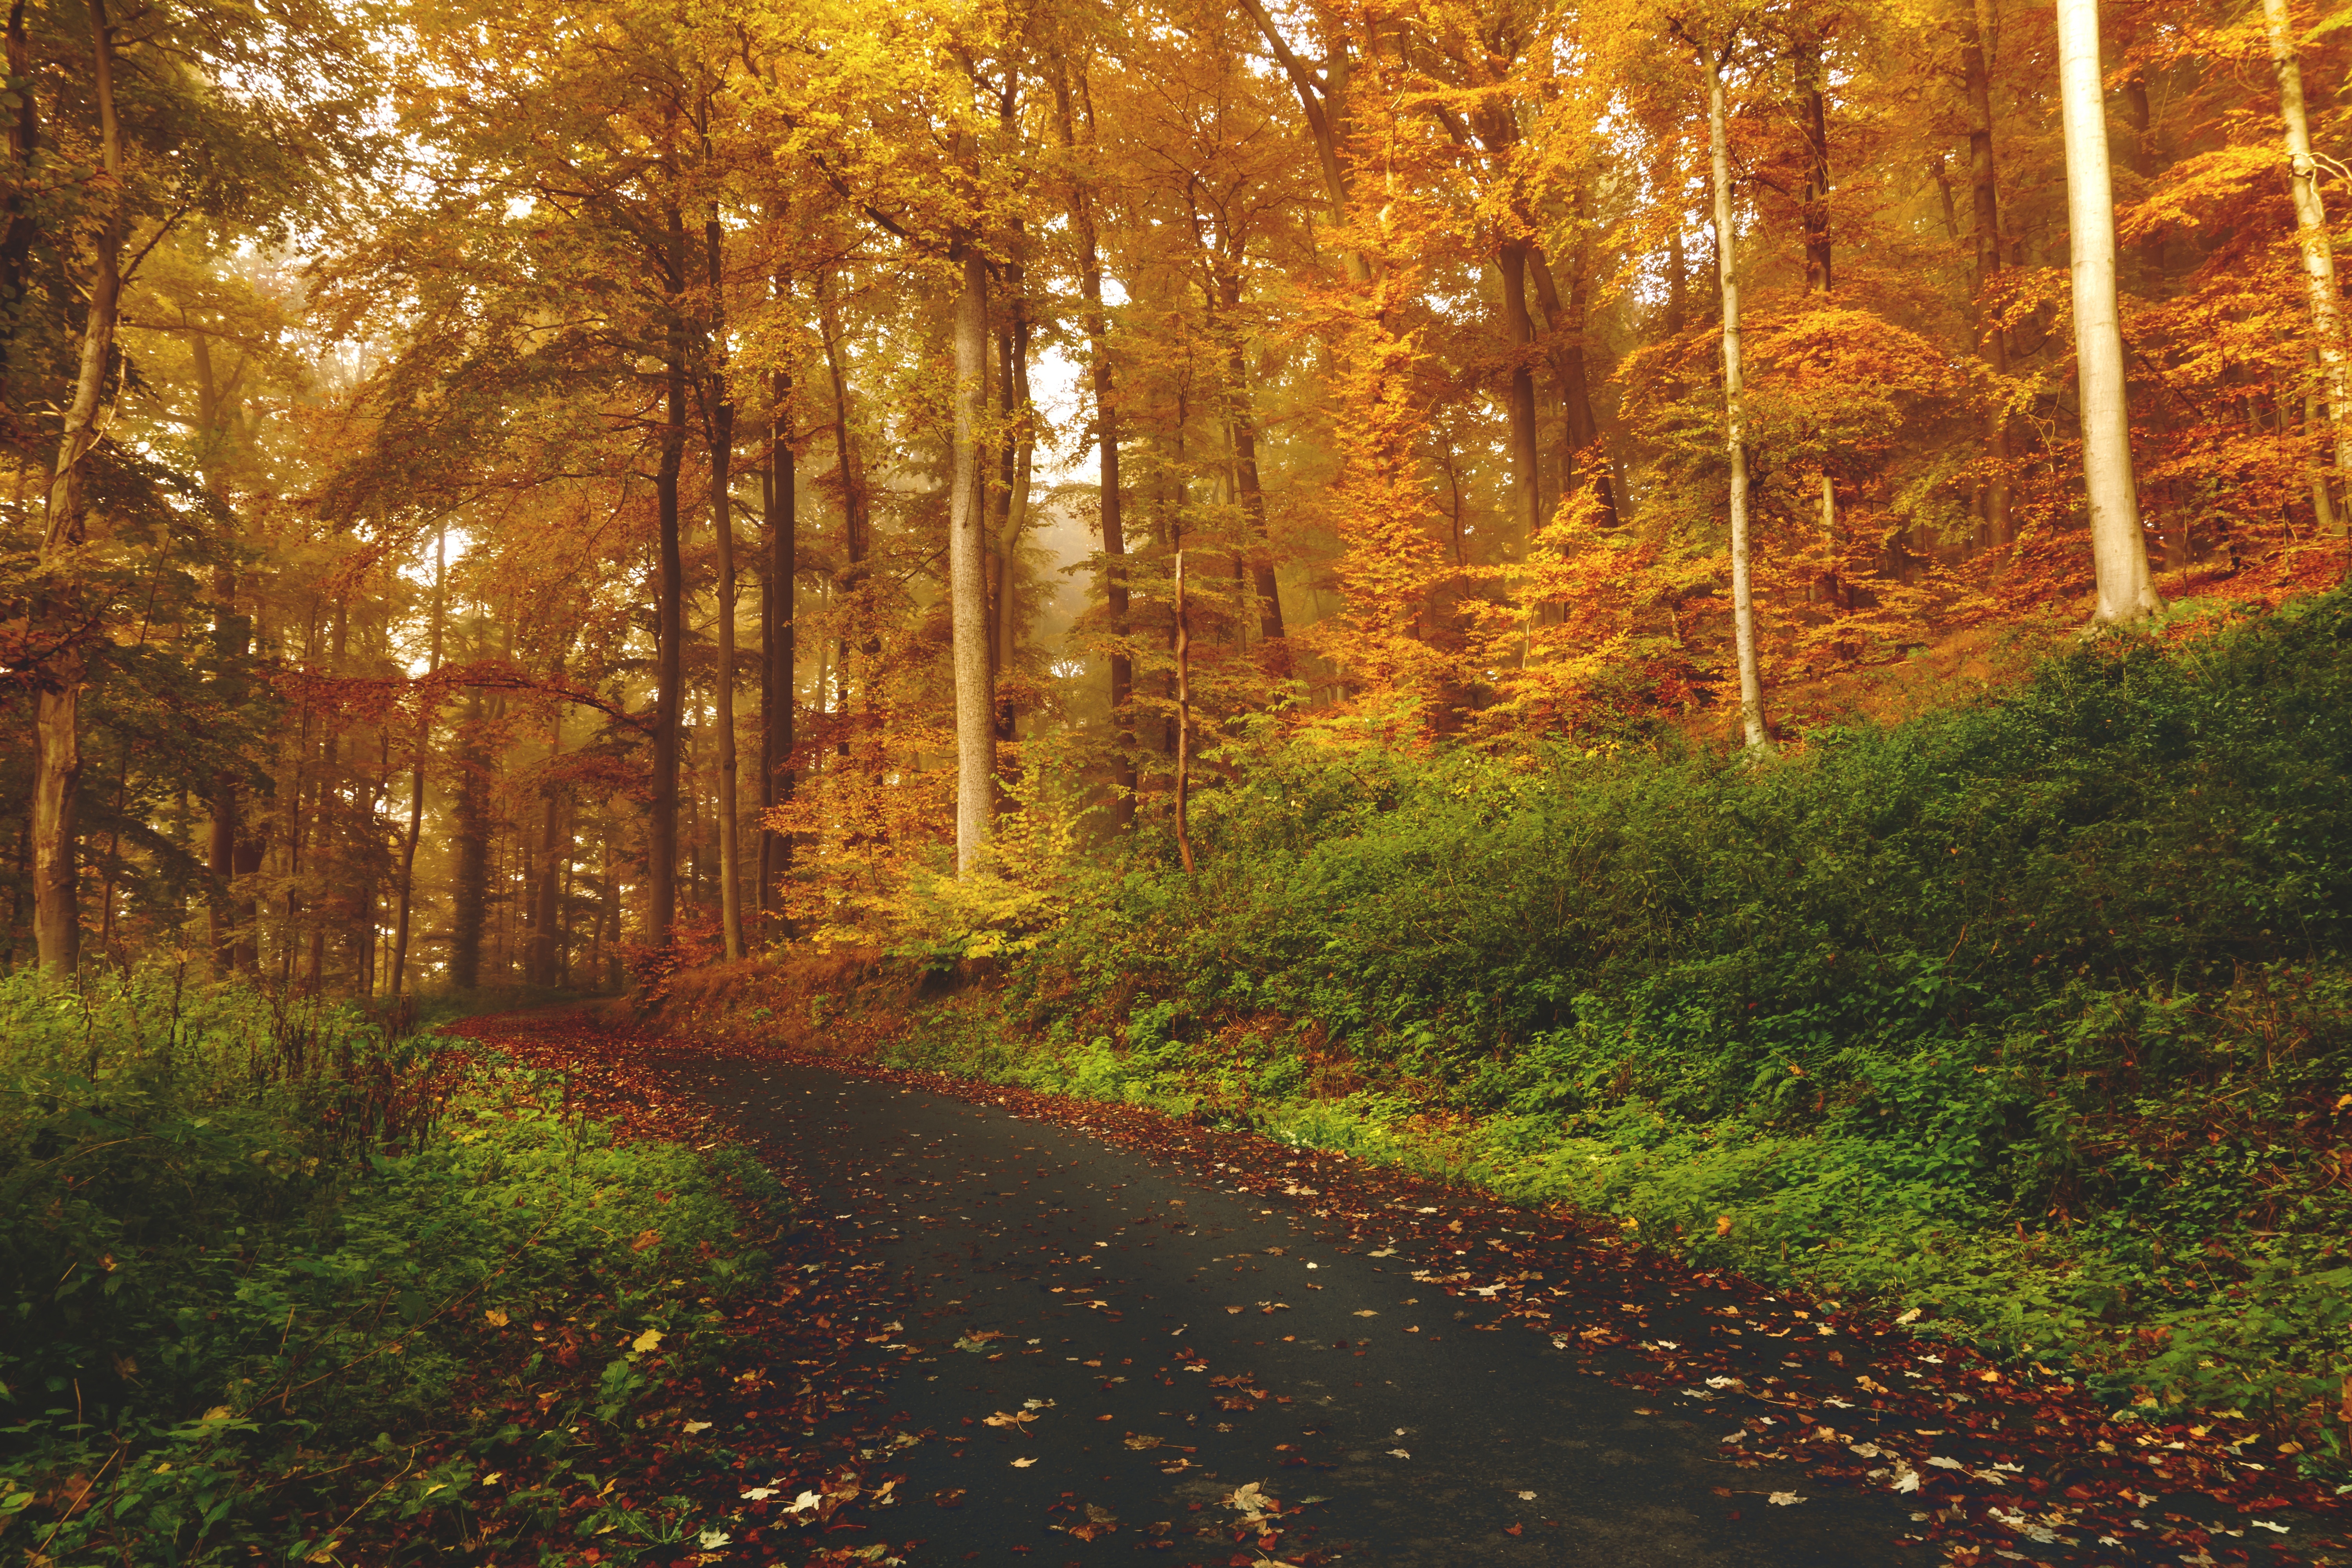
(2033, 1013)
(267, 1269)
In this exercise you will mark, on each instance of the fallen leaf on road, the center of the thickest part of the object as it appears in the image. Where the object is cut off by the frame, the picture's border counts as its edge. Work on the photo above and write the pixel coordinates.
(1784, 1500)
(1367, 1312)
(1140, 1442)
(1023, 1464)
(1400, 1453)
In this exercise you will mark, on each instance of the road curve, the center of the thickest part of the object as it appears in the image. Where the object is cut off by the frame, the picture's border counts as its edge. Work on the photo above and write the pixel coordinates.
(1142, 1340)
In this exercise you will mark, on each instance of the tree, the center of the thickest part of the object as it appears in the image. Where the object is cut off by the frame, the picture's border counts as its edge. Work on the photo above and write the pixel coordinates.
(2119, 551)
(2314, 242)
(1715, 58)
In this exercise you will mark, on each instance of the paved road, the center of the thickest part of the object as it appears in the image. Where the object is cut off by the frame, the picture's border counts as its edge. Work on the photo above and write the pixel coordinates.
(1098, 1290)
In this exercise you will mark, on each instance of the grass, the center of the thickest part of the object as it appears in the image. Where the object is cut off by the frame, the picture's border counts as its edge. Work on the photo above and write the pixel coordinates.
(276, 1277)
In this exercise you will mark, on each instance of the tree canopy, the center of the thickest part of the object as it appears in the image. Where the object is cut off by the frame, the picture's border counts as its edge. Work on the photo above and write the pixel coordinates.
(502, 494)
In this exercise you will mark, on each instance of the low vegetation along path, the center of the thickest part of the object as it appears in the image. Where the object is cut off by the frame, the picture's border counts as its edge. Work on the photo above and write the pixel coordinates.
(1110, 1331)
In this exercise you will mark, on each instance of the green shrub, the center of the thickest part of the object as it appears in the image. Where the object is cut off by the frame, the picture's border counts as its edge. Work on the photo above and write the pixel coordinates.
(237, 1242)
(2034, 1011)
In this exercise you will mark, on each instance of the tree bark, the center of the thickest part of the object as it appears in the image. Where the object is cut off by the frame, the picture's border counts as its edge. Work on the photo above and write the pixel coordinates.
(1519, 329)
(1813, 198)
(975, 717)
(1727, 252)
(1249, 488)
(1019, 467)
(722, 443)
(1183, 723)
(1976, 72)
(2317, 247)
(661, 827)
(777, 618)
(232, 635)
(1106, 437)
(551, 859)
(469, 890)
(416, 774)
(57, 701)
(2118, 552)
(1567, 323)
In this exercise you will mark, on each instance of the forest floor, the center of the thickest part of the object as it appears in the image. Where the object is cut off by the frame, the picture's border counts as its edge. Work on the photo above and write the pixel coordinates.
(1063, 1331)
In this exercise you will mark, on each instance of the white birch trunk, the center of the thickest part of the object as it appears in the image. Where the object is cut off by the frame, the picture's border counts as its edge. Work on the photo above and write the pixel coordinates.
(975, 701)
(2319, 250)
(2118, 552)
(1734, 403)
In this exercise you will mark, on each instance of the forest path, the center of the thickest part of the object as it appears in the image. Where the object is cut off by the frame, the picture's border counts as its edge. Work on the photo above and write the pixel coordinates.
(1165, 1338)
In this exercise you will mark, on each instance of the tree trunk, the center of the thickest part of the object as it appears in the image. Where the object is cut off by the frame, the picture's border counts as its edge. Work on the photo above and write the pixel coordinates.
(2119, 552)
(469, 890)
(1976, 72)
(975, 703)
(722, 442)
(1107, 436)
(1519, 329)
(1019, 467)
(1813, 198)
(57, 702)
(407, 891)
(2318, 249)
(1241, 423)
(551, 859)
(1183, 723)
(661, 825)
(1567, 323)
(1727, 252)
(778, 646)
(230, 647)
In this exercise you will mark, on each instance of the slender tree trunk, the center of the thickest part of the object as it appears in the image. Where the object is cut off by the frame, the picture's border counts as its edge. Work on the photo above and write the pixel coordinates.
(57, 701)
(551, 861)
(2119, 551)
(975, 715)
(1976, 72)
(1183, 723)
(1106, 437)
(722, 520)
(406, 894)
(1815, 202)
(231, 643)
(669, 632)
(2318, 249)
(469, 890)
(777, 615)
(1813, 198)
(1519, 328)
(1727, 251)
(1018, 467)
(1241, 422)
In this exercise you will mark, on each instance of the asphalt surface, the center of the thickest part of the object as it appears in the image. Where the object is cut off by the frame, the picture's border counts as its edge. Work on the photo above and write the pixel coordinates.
(1141, 1342)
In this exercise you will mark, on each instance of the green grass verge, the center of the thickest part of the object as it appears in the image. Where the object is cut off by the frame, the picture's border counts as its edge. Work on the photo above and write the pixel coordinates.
(270, 1279)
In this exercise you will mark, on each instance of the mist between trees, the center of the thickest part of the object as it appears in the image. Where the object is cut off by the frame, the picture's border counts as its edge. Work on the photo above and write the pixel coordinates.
(504, 496)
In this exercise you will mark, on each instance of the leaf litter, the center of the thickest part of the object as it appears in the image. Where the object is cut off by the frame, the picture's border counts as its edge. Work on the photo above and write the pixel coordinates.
(2126, 1481)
